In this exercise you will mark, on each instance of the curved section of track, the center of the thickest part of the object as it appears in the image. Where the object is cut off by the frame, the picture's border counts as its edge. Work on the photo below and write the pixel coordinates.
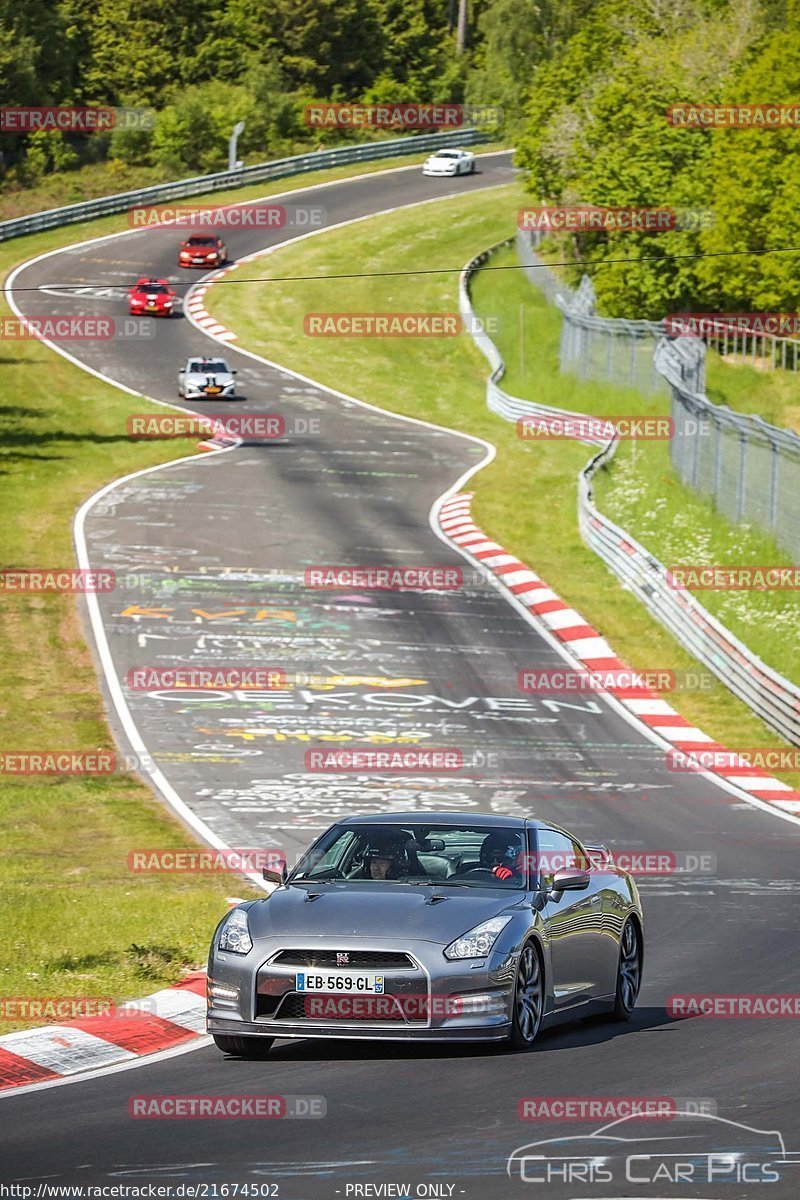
(216, 551)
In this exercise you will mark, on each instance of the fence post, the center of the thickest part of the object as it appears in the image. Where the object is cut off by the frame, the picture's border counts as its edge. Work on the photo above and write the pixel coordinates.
(742, 475)
(773, 484)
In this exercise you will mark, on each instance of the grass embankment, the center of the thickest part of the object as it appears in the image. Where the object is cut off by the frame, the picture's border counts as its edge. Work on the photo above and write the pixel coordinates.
(526, 497)
(78, 923)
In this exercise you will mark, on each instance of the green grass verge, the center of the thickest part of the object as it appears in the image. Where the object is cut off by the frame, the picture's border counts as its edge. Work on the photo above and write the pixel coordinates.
(526, 497)
(79, 922)
(773, 395)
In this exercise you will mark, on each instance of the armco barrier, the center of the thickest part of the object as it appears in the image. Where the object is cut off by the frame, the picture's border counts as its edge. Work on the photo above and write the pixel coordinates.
(199, 185)
(499, 401)
(770, 695)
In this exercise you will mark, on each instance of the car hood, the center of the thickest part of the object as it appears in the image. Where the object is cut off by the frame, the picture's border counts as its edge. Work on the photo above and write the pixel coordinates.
(381, 912)
(200, 377)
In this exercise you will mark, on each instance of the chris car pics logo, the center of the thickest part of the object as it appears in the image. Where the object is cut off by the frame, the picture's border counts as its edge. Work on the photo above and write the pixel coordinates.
(701, 1150)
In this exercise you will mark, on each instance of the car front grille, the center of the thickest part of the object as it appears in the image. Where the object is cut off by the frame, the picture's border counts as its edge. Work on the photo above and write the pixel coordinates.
(379, 960)
(297, 1007)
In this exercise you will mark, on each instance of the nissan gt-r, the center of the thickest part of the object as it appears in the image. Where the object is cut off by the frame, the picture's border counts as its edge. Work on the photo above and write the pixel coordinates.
(429, 927)
(152, 296)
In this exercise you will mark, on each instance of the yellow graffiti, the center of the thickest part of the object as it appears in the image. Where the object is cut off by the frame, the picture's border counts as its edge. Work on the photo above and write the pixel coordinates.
(323, 735)
(261, 614)
(323, 683)
(133, 610)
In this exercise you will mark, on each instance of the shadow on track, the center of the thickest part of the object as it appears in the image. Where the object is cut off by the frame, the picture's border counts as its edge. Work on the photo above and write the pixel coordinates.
(589, 1032)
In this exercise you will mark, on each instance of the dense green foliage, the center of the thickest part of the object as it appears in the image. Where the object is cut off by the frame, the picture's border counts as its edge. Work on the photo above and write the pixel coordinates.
(584, 86)
(596, 133)
(202, 65)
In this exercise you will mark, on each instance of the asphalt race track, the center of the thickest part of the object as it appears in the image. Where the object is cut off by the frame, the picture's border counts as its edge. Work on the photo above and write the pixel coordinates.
(213, 554)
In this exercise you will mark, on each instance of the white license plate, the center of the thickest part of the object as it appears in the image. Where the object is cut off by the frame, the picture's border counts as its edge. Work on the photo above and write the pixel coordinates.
(344, 982)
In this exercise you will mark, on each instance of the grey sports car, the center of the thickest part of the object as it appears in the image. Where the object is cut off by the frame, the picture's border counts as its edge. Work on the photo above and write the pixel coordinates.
(429, 926)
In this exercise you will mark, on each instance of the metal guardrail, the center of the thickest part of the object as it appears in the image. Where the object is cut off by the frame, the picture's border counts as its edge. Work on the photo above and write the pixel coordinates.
(198, 185)
(499, 401)
(773, 697)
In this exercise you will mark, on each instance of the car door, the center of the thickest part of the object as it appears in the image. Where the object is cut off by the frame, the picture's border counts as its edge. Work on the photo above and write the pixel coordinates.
(574, 921)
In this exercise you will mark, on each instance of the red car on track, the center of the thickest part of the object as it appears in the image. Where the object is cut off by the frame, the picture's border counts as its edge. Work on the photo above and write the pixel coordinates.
(202, 250)
(152, 296)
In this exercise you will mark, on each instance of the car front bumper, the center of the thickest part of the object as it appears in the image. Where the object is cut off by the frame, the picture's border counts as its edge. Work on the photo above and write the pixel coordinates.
(429, 999)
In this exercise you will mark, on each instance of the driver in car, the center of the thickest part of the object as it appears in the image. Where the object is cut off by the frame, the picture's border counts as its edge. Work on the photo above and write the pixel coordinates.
(502, 856)
(385, 858)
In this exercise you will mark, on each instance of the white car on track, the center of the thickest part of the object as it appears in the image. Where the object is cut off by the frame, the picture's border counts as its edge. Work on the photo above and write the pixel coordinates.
(449, 162)
(204, 378)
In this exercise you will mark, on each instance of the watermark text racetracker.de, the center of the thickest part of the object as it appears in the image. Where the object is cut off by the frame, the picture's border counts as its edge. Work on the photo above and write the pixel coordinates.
(67, 580)
(256, 215)
(717, 577)
(400, 115)
(588, 218)
(59, 328)
(332, 577)
(253, 427)
(225, 1107)
(546, 1109)
(204, 860)
(437, 760)
(544, 427)
(571, 680)
(71, 118)
(396, 324)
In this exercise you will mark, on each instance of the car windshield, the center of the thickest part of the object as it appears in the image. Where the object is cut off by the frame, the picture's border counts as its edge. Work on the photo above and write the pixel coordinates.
(201, 241)
(152, 287)
(453, 854)
(448, 154)
(210, 367)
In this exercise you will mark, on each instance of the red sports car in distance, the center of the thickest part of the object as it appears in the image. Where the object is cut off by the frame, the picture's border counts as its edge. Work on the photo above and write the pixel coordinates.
(202, 250)
(152, 296)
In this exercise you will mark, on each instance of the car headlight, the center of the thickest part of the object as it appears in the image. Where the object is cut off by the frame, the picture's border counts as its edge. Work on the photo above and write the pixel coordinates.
(477, 942)
(235, 934)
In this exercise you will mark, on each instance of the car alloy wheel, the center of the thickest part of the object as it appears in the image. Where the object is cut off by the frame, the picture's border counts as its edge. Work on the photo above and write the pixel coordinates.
(629, 972)
(528, 998)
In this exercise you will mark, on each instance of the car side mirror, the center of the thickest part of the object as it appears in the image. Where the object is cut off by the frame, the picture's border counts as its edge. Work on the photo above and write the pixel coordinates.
(273, 875)
(234, 372)
(569, 880)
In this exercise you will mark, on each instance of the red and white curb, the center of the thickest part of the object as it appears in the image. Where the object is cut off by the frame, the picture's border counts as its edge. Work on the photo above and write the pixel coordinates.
(194, 305)
(593, 652)
(164, 1020)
